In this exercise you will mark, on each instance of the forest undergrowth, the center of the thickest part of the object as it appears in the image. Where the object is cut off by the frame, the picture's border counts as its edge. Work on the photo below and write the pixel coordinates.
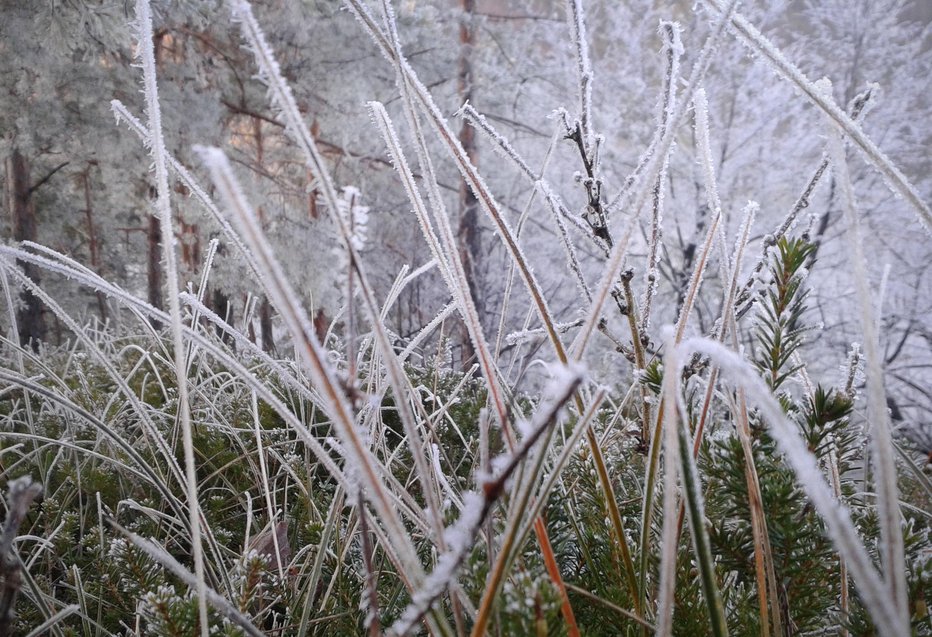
(165, 475)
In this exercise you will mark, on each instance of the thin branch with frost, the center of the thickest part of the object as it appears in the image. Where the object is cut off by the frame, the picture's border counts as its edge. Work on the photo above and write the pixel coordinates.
(146, 55)
(673, 48)
(524, 335)
(646, 182)
(576, 18)
(893, 177)
(704, 146)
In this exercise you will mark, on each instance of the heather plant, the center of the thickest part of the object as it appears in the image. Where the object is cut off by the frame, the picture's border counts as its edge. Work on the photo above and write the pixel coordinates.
(353, 480)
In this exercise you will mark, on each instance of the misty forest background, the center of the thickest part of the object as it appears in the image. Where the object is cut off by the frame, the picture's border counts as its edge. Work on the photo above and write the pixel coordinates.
(77, 181)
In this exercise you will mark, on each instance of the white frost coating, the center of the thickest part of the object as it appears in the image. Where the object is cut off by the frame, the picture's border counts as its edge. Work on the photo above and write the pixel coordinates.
(501, 143)
(146, 56)
(460, 536)
(521, 336)
(122, 114)
(354, 215)
(163, 557)
(891, 549)
(664, 621)
(894, 179)
(651, 170)
(673, 48)
(873, 591)
(444, 483)
(426, 331)
(576, 19)
(701, 106)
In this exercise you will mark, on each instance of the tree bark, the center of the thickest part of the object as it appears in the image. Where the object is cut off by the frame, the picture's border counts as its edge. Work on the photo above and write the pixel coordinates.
(30, 318)
(154, 273)
(265, 326)
(92, 240)
(468, 232)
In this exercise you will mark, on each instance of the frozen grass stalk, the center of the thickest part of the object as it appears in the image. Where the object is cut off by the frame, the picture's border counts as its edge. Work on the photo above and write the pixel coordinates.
(146, 55)
(892, 556)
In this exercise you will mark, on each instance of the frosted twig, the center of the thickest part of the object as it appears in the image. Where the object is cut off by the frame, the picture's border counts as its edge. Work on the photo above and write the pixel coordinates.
(755, 40)
(654, 164)
(20, 494)
(523, 335)
(576, 18)
(673, 48)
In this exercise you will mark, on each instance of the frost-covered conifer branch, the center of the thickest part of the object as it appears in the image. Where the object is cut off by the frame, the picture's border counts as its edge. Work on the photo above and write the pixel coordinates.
(857, 109)
(216, 600)
(874, 592)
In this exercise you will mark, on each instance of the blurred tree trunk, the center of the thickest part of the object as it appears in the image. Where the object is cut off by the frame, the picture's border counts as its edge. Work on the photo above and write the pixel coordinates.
(265, 326)
(468, 232)
(30, 317)
(154, 273)
(93, 243)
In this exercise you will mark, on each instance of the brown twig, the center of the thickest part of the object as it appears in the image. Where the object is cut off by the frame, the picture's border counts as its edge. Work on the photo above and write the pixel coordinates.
(22, 492)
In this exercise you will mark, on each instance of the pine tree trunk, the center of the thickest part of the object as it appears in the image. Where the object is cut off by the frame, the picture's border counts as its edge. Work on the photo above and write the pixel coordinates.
(92, 240)
(223, 307)
(468, 232)
(154, 273)
(30, 317)
(265, 326)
